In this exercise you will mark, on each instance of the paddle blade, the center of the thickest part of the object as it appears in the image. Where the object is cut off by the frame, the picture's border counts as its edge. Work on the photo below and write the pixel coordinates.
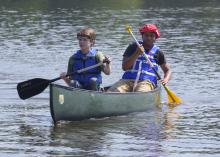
(128, 28)
(31, 87)
(172, 98)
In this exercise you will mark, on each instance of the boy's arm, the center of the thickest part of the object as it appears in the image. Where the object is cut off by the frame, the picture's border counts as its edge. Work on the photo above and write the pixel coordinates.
(70, 67)
(161, 60)
(69, 70)
(167, 73)
(106, 68)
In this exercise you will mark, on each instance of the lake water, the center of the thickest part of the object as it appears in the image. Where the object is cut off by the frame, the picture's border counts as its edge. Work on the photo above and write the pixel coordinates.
(36, 40)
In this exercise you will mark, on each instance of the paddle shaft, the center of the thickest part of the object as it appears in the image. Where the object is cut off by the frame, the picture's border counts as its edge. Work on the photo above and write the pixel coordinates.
(78, 71)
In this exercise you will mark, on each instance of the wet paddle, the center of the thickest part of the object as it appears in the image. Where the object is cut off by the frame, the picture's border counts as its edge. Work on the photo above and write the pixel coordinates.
(172, 98)
(35, 86)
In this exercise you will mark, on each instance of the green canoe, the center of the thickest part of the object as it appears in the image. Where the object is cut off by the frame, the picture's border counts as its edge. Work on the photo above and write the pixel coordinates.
(71, 104)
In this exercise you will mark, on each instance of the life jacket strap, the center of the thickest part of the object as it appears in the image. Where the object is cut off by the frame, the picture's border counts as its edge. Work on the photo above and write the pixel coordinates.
(142, 71)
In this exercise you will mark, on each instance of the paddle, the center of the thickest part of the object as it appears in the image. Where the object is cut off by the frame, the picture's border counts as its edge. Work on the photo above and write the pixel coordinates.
(172, 98)
(35, 86)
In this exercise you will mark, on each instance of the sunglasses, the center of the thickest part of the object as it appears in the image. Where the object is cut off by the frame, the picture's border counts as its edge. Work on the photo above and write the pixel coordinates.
(83, 35)
(80, 38)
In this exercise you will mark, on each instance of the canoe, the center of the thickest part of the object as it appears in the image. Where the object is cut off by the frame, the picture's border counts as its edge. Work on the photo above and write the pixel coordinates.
(73, 104)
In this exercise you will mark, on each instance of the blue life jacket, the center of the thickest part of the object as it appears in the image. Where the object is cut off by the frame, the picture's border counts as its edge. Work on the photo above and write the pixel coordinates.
(85, 60)
(141, 64)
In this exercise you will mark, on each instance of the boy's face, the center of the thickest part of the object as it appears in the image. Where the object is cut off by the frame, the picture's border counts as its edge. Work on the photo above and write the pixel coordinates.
(148, 38)
(84, 43)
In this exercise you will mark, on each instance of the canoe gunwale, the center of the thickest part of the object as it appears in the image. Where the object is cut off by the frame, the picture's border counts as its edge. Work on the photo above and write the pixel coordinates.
(101, 92)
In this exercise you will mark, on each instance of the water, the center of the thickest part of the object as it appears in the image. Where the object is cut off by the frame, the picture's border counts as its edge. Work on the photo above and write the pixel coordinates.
(36, 40)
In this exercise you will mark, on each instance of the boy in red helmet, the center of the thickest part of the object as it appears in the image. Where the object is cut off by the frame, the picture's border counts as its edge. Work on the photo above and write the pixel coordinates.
(138, 75)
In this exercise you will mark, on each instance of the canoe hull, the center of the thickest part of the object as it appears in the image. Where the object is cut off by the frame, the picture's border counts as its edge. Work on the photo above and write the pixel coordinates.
(71, 104)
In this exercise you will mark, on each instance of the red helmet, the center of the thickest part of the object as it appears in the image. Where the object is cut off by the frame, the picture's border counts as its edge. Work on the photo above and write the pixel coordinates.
(150, 28)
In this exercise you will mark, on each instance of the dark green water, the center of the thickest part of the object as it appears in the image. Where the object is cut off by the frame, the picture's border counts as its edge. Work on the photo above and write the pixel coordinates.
(36, 40)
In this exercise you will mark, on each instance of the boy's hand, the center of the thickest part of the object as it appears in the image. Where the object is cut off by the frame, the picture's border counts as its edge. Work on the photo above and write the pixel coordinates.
(164, 81)
(140, 50)
(107, 60)
(63, 75)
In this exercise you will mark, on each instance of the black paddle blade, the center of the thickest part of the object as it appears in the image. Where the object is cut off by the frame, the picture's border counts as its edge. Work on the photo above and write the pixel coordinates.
(31, 87)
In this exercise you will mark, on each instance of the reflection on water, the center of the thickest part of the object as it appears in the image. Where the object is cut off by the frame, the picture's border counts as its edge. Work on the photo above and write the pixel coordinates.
(122, 134)
(36, 40)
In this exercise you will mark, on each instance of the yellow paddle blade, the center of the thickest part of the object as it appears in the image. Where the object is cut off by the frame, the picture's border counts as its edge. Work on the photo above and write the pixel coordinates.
(128, 28)
(172, 98)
